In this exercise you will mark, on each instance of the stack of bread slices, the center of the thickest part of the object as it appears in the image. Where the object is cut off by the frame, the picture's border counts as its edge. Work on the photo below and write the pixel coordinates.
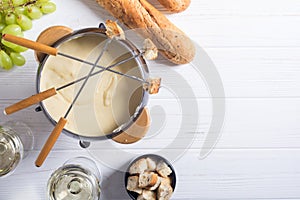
(150, 179)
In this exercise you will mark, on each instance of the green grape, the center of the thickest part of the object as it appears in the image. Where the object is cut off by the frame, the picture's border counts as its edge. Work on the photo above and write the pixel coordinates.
(16, 30)
(34, 12)
(2, 26)
(14, 47)
(19, 49)
(18, 2)
(24, 22)
(5, 61)
(10, 18)
(48, 7)
(17, 59)
(20, 10)
(42, 1)
(12, 29)
(15, 17)
(9, 44)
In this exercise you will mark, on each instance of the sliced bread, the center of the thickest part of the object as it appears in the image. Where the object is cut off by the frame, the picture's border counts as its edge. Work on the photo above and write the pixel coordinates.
(133, 183)
(163, 169)
(164, 192)
(147, 195)
(139, 166)
(154, 187)
(147, 179)
(151, 164)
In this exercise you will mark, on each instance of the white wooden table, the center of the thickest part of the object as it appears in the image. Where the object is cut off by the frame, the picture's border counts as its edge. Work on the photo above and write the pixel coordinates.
(254, 45)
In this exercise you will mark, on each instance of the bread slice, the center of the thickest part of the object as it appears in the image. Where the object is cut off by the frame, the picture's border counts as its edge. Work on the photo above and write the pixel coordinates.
(147, 179)
(138, 167)
(133, 183)
(151, 164)
(151, 51)
(163, 169)
(154, 187)
(166, 180)
(113, 30)
(164, 192)
(147, 195)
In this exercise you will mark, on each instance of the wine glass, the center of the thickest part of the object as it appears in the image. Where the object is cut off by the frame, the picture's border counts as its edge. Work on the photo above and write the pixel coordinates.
(78, 178)
(16, 140)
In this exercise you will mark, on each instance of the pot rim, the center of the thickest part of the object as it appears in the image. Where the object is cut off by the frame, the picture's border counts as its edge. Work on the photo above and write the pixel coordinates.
(143, 70)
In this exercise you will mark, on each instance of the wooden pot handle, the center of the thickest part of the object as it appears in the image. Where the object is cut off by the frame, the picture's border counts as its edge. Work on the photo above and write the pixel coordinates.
(50, 141)
(49, 36)
(30, 101)
(136, 131)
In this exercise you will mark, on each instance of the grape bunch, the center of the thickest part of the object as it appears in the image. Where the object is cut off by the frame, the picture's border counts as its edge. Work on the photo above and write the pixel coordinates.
(16, 17)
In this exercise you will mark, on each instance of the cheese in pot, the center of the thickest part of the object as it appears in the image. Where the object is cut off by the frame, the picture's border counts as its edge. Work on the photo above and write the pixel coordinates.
(107, 101)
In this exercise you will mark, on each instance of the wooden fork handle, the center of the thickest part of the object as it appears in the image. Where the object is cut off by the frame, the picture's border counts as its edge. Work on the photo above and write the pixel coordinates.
(30, 101)
(30, 44)
(50, 141)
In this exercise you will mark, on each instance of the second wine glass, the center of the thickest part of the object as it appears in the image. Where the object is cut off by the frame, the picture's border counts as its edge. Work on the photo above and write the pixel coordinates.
(77, 179)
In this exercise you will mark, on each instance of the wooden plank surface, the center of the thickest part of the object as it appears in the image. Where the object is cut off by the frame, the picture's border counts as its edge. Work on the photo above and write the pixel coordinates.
(253, 45)
(226, 174)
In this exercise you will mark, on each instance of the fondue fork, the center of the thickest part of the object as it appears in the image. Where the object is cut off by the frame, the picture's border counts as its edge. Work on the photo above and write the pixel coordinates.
(150, 85)
(37, 46)
(105, 69)
(52, 91)
(63, 120)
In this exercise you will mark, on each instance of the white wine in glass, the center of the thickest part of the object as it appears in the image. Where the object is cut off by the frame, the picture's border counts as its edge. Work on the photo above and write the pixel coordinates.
(77, 179)
(16, 140)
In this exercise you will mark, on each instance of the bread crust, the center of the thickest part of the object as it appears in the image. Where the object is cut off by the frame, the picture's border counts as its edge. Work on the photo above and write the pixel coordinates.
(132, 184)
(138, 167)
(164, 192)
(163, 169)
(139, 14)
(175, 5)
(147, 179)
(147, 195)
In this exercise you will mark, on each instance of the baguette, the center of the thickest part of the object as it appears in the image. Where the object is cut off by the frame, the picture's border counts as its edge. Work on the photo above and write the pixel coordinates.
(175, 5)
(139, 14)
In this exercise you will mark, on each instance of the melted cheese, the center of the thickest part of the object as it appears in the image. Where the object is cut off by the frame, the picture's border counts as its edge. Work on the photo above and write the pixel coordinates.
(107, 100)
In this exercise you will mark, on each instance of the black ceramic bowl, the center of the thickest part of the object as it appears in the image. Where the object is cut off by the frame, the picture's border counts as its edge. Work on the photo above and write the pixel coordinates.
(156, 158)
